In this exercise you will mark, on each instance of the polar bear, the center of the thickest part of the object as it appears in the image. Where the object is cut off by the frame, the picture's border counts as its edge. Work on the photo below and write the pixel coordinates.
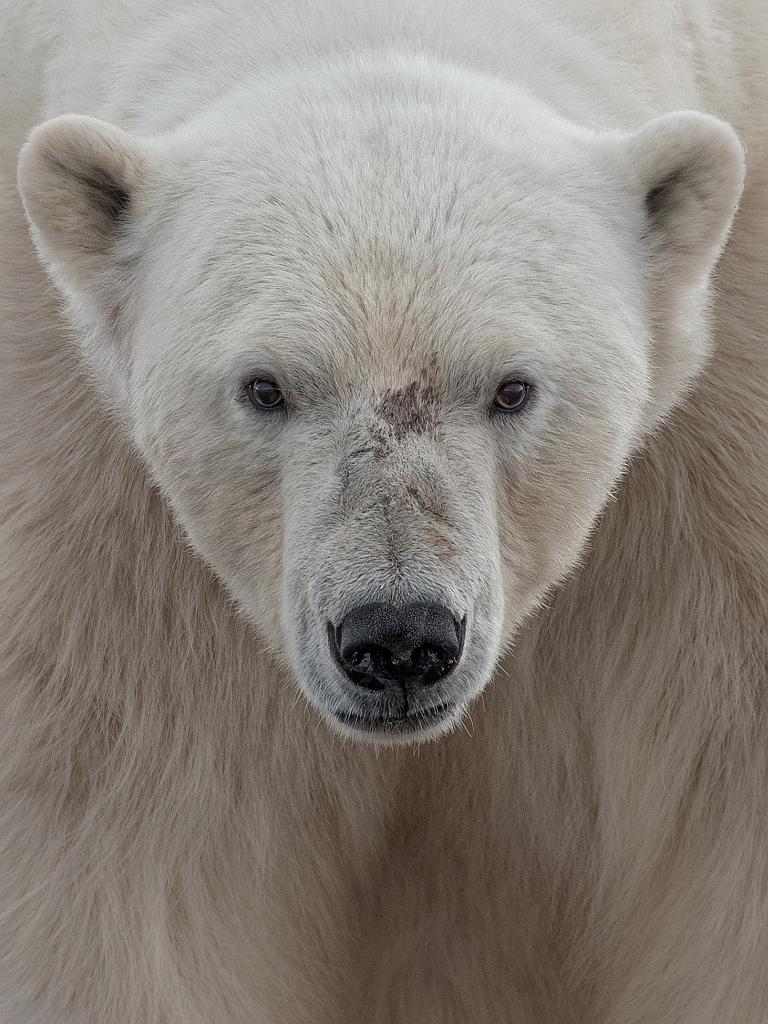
(383, 513)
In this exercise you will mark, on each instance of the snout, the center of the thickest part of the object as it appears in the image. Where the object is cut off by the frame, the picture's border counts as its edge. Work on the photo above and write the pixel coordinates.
(394, 603)
(394, 656)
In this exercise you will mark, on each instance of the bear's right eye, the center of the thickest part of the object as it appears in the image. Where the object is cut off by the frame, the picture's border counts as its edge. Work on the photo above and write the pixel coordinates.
(264, 394)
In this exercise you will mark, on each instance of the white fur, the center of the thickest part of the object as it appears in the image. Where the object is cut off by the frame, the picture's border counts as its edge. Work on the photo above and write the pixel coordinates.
(374, 202)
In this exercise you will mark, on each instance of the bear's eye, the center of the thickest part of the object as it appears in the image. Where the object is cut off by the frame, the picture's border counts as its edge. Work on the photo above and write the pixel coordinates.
(512, 395)
(264, 394)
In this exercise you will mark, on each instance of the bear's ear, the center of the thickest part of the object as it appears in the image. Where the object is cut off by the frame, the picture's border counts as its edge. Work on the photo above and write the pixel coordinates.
(80, 180)
(689, 170)
(684, 172)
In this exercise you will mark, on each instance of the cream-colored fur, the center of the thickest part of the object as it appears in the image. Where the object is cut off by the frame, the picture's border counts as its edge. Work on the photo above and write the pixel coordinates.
(183, 839)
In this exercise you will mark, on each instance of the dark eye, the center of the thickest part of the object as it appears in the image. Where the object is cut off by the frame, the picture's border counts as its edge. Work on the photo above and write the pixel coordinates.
(264, 394)
(511, 396)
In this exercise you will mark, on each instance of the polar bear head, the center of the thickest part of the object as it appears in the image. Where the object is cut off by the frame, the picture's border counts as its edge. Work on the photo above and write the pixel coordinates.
(386, 349)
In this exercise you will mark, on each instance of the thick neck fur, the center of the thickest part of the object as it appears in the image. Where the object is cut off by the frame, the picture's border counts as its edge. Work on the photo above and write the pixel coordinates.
(622, 748)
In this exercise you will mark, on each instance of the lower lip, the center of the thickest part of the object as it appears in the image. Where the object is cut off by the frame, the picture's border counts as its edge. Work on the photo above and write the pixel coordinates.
(416, 722)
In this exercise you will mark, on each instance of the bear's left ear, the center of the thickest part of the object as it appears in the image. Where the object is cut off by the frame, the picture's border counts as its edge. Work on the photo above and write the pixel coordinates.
(684, 172)
(80, 180)
(688, 168)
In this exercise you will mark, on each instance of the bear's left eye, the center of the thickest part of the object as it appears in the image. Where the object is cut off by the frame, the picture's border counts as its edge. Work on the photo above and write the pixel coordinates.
(264, 394)
(511, 396)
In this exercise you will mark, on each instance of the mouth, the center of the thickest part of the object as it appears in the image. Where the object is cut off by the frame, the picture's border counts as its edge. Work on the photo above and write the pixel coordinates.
(412, 722)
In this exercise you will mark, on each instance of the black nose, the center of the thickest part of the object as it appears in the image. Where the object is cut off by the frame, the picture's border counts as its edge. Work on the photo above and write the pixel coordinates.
(381, 646)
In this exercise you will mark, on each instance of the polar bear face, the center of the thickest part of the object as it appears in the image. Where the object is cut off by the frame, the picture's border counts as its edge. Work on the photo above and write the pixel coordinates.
(386, 380)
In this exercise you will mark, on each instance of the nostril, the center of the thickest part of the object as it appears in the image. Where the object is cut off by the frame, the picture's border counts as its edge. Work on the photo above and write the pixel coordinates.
(365, 665)
(432, 662)
(407, 646)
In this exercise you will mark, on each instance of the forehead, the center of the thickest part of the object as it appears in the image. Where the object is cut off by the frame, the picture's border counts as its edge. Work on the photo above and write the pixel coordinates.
(399, 269)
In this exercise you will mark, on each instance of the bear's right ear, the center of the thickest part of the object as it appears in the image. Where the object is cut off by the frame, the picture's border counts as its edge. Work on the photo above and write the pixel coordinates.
(80, 180)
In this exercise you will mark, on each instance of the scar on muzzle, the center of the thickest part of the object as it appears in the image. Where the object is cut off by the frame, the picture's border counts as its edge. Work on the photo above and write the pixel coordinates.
(411, 409)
